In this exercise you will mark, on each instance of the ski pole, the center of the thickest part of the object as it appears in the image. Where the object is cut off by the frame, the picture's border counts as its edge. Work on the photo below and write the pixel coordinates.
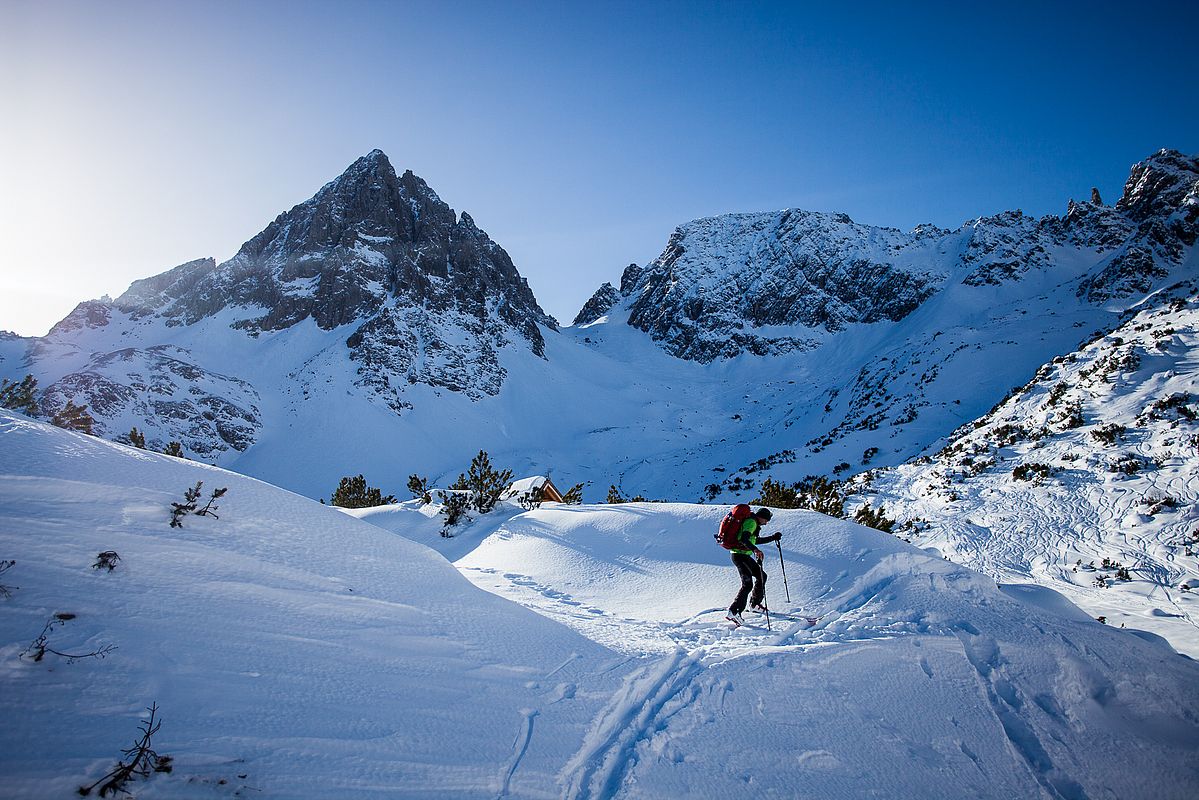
(764, 606)
(784, 568)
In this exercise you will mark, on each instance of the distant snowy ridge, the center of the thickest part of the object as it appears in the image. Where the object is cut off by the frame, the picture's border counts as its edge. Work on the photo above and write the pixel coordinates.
(371, 329)
(723, 282)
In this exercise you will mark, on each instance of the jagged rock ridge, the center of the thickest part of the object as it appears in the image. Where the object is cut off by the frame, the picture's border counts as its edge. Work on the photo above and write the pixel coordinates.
(725, 285)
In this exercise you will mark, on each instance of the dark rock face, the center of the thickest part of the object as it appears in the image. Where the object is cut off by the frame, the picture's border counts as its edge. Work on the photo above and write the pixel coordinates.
(1161, 207)
(166, 396)
(380, 252)
(722, 283)
(721, 280)
(600, 303)
(88, 314)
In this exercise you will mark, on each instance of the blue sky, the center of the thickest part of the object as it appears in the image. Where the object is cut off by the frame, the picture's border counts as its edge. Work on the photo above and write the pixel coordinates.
(142, 135)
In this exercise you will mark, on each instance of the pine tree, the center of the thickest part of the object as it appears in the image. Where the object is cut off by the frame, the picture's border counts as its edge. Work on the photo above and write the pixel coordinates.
(354, 493)
(878, 520)
(573, 496)
(485, 483)
(20, 396)
(73, 418)
(614, 495)
(174, 449)
(420, 489)
(777, 495)
(137, 438)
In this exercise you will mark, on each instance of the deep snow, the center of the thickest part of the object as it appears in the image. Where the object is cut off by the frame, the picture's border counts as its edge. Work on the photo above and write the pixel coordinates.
(320, 656)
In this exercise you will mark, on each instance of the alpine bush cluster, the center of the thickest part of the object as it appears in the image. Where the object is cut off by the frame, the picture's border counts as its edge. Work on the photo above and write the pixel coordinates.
(1109, 434)
(1031, 472)
(355, 493)
(816, 493)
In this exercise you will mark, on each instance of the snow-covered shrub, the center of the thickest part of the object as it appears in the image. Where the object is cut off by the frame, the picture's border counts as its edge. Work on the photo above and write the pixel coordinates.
(1126, 464)
(1008, 434)
(454, 507)
(878, 520)
(1057, 393)
(210, 509)
(532, 498)
(1176, 406)
(1109, 434)
(1158, 503)
(1031, 472)
(1071, 416)
(869, 453)
(816, 493)
(484, 483)
(777, 495)
(180, 510)
(354, 493)
(134, 438)
(842, 467)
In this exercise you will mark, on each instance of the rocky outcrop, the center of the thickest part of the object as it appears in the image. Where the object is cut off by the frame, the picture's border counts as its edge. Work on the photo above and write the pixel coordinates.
(384, 254)
(729, 285)
(600, 303)
(721, 281)
(166, 395)
(1160, 205)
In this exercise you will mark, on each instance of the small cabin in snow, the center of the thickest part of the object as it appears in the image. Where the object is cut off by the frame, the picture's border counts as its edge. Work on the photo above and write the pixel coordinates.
(549, 492)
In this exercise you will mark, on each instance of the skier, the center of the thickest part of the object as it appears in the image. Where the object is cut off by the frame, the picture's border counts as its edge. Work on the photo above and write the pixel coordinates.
(748, 560)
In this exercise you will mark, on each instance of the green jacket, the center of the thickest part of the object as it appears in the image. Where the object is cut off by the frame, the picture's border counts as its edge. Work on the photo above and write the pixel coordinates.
(748, 536)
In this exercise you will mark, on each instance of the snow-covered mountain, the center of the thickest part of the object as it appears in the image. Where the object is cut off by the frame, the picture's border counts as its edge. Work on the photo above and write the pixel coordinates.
(417, 293)
(294, 651)
(1086, 479)
(730, 284)
(371, 329)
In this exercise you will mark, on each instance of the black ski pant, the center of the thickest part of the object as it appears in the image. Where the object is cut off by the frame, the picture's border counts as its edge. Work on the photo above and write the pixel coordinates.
(753, 577)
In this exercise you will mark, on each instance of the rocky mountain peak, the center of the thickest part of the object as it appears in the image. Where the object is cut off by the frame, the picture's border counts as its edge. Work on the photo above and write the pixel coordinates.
(1163, 184)
(431, 298)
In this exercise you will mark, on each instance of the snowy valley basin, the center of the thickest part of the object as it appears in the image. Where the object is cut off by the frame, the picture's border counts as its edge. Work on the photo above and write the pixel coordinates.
(296, 650)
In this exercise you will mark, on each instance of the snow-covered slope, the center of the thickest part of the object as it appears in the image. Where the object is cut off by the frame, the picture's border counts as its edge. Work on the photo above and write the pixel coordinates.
(294, 651)
(920, 678)
(1094, 459)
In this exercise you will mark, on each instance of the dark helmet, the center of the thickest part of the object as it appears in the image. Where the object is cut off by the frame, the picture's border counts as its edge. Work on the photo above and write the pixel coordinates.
(764, 514)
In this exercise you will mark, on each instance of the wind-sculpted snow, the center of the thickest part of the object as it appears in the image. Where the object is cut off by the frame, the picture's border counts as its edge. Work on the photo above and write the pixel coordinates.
(889, 673)
(292, 651)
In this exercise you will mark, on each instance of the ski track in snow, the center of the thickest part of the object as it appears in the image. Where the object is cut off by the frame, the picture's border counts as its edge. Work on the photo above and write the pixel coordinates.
(917, 677)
